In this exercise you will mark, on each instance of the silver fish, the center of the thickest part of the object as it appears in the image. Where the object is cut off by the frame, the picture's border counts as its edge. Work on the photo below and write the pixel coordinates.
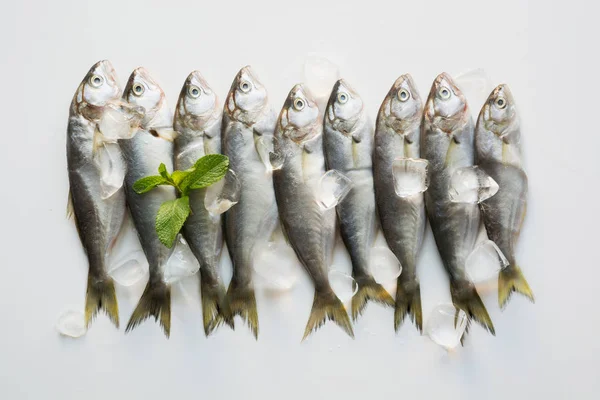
(98, 220)
(310, 229)
(447, 143)
(247, 119)
(498, 144)
(197, 121)
(348, 146)
(143, 154)
(397, 135)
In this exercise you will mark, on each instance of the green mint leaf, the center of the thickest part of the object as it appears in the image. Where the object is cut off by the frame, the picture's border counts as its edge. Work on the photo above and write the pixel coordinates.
(207, 170)
(178, 176)
(170, 218)
(162, 170)
(148, 183)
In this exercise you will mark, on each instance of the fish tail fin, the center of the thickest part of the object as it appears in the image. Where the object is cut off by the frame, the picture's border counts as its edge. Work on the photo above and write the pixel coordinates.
(368, 289)
(511, 280)
(465, 297)
(327, 306)
(100, 295)
(215, 308)
(408, 302)
(155, 302)
(242, 302)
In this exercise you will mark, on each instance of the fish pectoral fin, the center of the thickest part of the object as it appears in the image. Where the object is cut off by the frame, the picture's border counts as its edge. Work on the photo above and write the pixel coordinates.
(327, 306)
(511, 280)
(70, 207)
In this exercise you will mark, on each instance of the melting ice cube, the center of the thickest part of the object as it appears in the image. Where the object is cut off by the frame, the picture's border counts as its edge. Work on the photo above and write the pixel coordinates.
(275, 263)
(71, 323)
(181, 262)
(223, 195)
(332, 188)
(410, 176)
(120, 120)
(471, 185)
(446, 325)
(109, 159)
(485, 262)
(385, 267)
(343, 285)
(130, 269)
(265, 145)
(320, 75)
(190, 155)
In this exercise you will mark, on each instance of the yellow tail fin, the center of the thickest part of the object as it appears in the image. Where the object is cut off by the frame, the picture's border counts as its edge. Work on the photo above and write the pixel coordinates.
(368, 289)
(465, 297)
(101, 295)
(326, 306)
(215, 308)
(155, 302)
(408, 302)
(511, 280)
(243, 303)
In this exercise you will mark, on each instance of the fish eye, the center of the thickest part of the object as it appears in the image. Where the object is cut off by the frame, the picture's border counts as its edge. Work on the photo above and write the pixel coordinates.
(194, 91)
(245, 86)
(138, 89)
(444, 93)
(299, 104)
(403, 95)
(501, 102)
(96, 80)
(342, 97)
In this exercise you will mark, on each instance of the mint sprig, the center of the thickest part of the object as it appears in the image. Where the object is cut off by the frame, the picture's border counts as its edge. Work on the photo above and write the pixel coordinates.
(173, 214)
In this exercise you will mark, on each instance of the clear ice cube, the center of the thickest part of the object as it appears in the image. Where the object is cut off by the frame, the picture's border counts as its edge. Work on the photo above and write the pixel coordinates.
(120, 120)
(471, 185)
(189, 156)
(71, 323)
(265, 145)
(384, 265)
(275, 264)
(109, 159)
(130, 269)
(446, 325)
(344, 286)
(181, 262)
(332, 188)
(223, 195)
(410, 176)
(320, 75)
(485, 262)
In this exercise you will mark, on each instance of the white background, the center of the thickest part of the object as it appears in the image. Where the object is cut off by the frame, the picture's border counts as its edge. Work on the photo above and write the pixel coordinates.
(543, 50)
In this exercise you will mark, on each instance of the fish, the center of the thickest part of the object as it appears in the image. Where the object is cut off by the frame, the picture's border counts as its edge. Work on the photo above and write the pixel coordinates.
(248, 120)
(143, 154)
(402, 219)
(447, 142)
(348, 147)
(499, 154)
(197, 120)
(98, 220)
(309, 228)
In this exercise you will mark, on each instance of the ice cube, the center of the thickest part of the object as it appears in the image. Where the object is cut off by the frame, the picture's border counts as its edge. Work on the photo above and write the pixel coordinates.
(384, 265)
(471, 185)
(275, 264)
(223, 195)
(71, 323)
(475, 84)
(332, 188)
(265, 145)
(320, 75)
(110, 162)
(344, 286)
(485, 262)
(189, 156)
(130, 269)
(181, 262)
(410, 176)
(120, 120)
(446, 325)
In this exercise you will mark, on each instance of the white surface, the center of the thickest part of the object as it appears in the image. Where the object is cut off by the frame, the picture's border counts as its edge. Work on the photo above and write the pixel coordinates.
(541, 49)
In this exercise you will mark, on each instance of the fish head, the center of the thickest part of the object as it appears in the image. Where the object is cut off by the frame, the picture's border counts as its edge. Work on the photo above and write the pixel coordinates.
(198, 103)
(402, 107)
(299, 116)
(344, 107)
(499, 111)
(247, 97)
(446, 106)
(100, 85)
(143, 91)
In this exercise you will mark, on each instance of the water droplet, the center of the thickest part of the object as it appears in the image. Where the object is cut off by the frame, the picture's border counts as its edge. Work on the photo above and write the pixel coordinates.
(410, 176)
(446, 325)
(385, 267)
(130, 269)
(320, 75)
(109, 159)
(471, 185)
(343, 285)
(71, 323)
(223, 195)
(276, 264)
(485, 262)
(181, 262)
(332, 188)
